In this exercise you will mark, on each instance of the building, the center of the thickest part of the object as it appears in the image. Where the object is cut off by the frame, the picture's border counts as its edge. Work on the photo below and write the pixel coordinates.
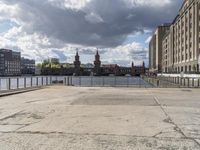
(180, 43)
(155, 48)
(10, 63)
(27, 66)
(77, 65)
(185, 43)
(97, 64)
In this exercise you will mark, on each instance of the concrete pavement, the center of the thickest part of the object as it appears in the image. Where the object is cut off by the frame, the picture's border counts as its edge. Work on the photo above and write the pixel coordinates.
(74, 118)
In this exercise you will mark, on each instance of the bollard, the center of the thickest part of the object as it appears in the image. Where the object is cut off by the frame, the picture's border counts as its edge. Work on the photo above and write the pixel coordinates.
(198, 83)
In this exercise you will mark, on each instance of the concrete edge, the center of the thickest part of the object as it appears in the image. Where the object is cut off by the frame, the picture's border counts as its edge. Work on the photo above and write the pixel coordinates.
(20, 91)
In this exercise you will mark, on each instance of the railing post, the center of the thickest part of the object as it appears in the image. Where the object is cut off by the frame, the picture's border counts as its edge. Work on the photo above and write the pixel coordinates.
(158, 83)
(180, 81)
(127, 81)
(36, 81)
(68, 80)
(31, 82)
(51, 80)
(42, 81)
(115, 81)
(46, 81)
(188, 82)
(17, 83)
(103, 81)
(79, 81)
(184, 81)
(198, 83)
(8, 84)
(65, 82)
(24, 82)
(91, 81)
(192, 82)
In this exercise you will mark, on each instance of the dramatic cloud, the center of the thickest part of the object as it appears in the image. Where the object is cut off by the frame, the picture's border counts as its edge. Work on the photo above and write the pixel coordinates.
(58, 24)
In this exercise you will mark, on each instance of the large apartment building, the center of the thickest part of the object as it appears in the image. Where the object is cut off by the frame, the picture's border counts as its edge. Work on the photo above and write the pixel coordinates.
(181, 43)
(155, 48)
(10, 62)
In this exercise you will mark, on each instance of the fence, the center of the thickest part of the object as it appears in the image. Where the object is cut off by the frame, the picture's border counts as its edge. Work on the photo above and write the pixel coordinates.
(14, 83)
(136, 82)
(173, 82)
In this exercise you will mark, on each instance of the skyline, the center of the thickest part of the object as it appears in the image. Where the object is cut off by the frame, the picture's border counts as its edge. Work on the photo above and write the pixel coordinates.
(120, 29)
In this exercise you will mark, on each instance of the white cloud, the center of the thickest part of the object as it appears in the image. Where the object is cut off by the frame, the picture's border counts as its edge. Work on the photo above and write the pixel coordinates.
(94, 18)
(43, 28)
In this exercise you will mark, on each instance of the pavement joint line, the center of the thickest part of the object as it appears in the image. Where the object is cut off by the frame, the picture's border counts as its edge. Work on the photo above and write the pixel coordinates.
(89, 134)
(177, 128)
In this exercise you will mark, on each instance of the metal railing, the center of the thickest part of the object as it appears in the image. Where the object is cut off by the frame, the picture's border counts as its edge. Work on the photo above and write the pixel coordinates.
(173, 82)
(15, 83)
(102, 81)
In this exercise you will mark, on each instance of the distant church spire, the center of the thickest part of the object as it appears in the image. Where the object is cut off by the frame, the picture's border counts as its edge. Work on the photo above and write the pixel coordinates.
(77, 64)
(133, 64)
(143, 64)
(97, 64)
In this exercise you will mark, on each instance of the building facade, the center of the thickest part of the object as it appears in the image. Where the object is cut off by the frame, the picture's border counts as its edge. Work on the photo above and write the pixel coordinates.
(10, 63)
(187, 46)
(185, 43)
(27, 66)
(155, 49)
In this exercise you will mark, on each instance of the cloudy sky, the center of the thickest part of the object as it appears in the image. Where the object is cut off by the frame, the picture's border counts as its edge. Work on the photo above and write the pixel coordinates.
(120, 29)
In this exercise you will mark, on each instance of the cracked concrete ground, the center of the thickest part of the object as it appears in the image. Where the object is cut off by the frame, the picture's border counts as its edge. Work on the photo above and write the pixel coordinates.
(74, 118)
